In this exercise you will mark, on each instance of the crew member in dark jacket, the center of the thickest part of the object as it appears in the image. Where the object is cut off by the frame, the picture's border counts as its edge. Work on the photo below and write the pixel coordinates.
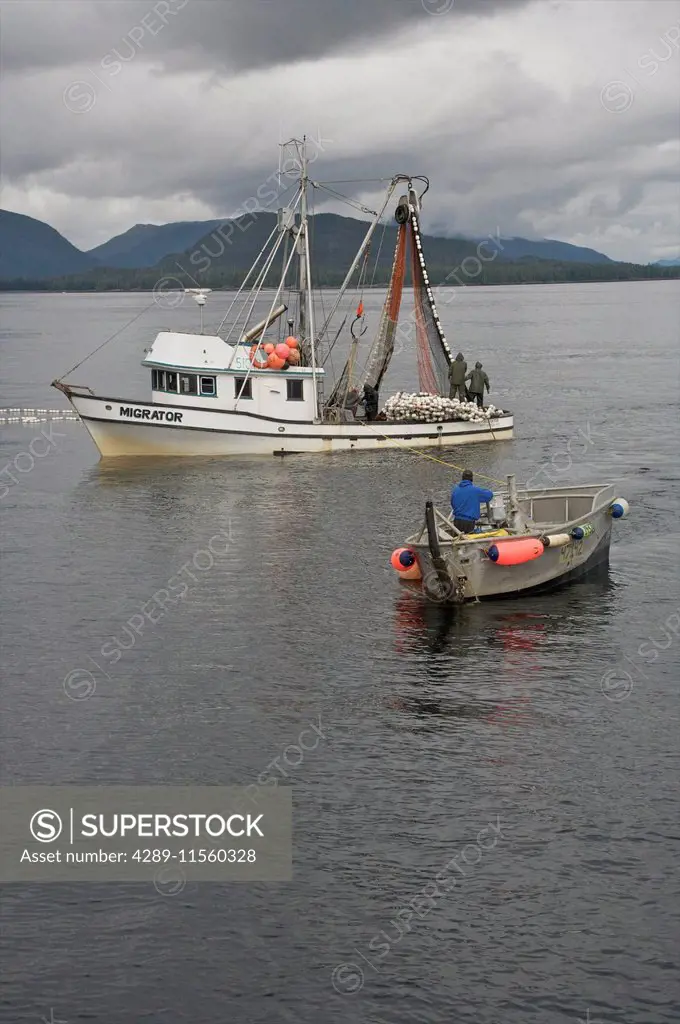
(478, 381)
(350, 405)
(370, 402)
(457, 371)
(465, 501)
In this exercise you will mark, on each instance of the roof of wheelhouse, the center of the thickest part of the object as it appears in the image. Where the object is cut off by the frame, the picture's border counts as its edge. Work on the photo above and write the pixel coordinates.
(208, 352)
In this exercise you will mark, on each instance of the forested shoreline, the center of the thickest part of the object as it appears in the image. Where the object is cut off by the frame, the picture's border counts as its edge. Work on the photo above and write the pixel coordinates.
(525, 271)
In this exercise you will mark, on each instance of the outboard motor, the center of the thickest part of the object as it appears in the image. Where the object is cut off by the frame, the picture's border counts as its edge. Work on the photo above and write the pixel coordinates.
(497, 514)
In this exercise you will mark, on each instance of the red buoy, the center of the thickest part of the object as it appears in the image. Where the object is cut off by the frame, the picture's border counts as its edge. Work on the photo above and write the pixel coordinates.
(515, 550)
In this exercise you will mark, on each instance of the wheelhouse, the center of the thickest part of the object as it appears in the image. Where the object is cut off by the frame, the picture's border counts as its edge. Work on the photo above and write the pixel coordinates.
(201, 371)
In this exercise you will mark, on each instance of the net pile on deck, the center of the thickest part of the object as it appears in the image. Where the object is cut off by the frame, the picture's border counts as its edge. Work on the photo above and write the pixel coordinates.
(426, 408)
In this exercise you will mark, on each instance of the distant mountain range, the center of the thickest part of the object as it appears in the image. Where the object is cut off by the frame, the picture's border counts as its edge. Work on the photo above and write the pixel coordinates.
(549, 249)
(32, 249)
(668, 263)
(216, 253)
(145, 245)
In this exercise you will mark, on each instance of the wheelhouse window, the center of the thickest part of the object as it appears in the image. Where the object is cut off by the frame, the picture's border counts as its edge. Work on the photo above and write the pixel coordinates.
(188, 384)
(243, 388)
(295, 390)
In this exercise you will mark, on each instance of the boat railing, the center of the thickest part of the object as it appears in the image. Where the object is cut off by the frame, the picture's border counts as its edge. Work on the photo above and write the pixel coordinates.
(446, 524)
(445, 529)
(568, 505)
(69, 389)
(593, 490)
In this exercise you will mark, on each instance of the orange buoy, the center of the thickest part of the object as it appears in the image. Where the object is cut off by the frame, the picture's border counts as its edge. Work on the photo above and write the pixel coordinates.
(274, 362)
(291, 342)
(405, 563)
(269, 347)
(283, 351)
(257, 363)
(294, 357)
(515, 550)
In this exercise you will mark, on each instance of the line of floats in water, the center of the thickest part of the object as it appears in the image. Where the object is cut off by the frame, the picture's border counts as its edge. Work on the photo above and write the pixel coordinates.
(29, 416)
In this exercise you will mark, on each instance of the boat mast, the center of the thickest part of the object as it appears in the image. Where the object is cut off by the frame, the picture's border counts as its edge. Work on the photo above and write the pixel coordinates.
(306, 297)
(302, 245)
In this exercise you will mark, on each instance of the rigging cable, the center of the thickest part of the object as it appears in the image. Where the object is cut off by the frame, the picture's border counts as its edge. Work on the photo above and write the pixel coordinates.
(359, 290)
(268, 320)
(450, 465)
(246, 279)
(350, 181)
(377, 258)
(94, 352)
(359, 318)
(346, 199)
(350, 366)
(355, 262)
(257, 286)
(153, 303)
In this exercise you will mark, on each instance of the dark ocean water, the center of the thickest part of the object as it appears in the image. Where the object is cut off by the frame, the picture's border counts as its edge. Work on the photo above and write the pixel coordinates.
(540, 717)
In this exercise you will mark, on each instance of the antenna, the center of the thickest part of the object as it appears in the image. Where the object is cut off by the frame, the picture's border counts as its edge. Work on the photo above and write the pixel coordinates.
(199, 297)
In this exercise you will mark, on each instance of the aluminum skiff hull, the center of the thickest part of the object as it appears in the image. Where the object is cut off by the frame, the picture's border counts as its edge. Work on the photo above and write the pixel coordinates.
(120, 428)
(485, 579)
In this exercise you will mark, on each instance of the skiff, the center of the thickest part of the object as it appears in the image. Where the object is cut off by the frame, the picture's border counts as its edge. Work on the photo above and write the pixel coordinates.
(527, 542)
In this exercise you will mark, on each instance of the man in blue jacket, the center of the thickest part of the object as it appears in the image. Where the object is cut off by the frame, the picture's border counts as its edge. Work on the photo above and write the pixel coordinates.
(465, 501)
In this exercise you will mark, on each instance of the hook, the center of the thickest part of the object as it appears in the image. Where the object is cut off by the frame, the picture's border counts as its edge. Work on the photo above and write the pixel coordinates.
(364, 327)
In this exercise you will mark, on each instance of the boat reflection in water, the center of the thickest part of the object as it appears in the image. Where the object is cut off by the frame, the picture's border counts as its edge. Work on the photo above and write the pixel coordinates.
(483, 661)
(461, 663)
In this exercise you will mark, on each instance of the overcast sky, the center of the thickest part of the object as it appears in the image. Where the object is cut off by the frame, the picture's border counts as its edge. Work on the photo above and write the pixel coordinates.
(550, 118)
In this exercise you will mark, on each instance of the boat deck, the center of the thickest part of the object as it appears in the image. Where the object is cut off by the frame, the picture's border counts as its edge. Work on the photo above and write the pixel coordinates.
(552, 509)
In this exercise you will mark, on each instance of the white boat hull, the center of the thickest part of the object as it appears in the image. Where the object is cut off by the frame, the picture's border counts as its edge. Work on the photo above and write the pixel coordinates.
(120, 428)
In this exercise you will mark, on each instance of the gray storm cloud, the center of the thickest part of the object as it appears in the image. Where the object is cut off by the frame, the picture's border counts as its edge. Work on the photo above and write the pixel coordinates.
(554, 118)
(233, 34)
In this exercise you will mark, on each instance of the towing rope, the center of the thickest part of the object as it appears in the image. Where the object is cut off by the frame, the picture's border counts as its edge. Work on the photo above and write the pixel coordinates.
(433, 458)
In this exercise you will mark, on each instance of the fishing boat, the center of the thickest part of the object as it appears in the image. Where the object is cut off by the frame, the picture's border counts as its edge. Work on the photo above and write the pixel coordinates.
(262, 385)
(527, 541)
